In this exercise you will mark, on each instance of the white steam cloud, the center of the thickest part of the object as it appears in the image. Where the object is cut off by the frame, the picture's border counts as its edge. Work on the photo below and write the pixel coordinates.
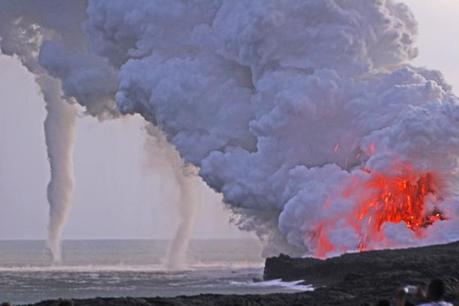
(290, 109)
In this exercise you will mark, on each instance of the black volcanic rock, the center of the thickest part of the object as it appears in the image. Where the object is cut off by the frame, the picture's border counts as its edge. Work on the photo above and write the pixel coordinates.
(351, 279)
(373, 273)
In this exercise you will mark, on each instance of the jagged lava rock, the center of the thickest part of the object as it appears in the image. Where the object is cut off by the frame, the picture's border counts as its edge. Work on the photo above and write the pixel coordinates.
(372, 273)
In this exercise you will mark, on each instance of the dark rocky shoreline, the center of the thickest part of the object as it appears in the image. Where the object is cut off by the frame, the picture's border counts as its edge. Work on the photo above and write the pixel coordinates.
(350, 279)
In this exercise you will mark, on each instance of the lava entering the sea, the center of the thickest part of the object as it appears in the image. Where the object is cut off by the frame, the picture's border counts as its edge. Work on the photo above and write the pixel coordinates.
(388, 199)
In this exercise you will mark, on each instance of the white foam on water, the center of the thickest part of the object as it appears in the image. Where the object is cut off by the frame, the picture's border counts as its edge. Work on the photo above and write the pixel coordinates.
(225, 265)
(292, 285)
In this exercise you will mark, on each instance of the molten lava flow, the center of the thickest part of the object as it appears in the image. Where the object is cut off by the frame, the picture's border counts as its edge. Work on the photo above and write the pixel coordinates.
(324, 244)
(396, 199)
(387, 198)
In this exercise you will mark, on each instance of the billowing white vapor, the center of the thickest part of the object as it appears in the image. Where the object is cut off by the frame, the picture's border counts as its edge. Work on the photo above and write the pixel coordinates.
(306, 115)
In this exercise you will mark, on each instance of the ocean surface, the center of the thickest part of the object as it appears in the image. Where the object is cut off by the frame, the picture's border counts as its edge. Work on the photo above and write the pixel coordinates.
(113, 268)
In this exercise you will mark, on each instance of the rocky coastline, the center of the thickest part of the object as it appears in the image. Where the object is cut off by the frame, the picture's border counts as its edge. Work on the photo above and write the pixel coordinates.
(350, 279)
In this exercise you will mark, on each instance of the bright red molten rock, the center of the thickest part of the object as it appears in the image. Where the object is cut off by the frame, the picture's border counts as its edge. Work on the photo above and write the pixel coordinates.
(388, 199)
(397, 199)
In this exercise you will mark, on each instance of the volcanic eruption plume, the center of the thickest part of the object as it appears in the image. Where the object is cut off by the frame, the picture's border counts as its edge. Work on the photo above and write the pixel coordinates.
(306, 115)
(285, 106)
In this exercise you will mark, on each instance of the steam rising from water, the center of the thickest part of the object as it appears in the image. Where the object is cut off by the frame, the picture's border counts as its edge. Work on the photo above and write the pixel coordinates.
(281, 105)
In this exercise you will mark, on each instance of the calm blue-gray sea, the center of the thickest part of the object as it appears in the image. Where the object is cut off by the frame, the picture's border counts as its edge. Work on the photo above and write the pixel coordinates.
(112, 268)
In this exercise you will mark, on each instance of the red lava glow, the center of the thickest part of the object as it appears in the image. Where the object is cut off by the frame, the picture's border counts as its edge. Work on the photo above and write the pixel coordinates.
(388, 198)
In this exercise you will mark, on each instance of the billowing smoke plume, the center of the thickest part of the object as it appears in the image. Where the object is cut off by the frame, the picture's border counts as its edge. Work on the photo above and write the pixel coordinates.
(290, 109)
(305, 115)
(162, 154)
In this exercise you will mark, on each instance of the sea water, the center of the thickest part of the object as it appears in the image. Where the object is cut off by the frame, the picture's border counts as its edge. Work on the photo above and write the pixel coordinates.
(114, 268)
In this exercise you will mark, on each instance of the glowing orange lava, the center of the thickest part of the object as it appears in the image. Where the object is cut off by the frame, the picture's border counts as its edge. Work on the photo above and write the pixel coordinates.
(387, 198)
(325, 246)
(398, 199)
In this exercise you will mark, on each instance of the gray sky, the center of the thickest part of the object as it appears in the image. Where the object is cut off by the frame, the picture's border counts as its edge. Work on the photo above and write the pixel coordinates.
(117, 194)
